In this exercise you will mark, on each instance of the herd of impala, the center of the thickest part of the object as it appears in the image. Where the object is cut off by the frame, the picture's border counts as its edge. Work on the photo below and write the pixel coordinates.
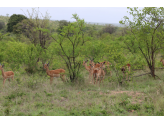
(96, 71)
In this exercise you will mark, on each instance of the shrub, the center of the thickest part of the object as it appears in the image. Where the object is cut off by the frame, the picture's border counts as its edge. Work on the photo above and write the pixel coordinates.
(109, 29)
(13, 20)
(62, 23)
(2, 25)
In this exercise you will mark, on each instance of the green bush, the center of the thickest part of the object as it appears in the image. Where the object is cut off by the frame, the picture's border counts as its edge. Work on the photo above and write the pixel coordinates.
(2, 25)
(62, 23)
(13, 20)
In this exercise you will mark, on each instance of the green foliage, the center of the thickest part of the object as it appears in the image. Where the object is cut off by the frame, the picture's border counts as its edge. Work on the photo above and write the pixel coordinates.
(133, 107)
(14, 94)
(14, 19)
(94, 49)
(149, 108)
(160, 113)
(69, 45)
(109, 29)
(62, 23)
(23, 27)
(17, 53)
(3, 35)
(146, 33)
(31, 55)
(90, 30)
(2, 25)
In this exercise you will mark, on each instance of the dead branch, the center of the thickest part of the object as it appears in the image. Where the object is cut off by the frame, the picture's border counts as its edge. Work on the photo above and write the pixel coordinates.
(137, 76)
(142, 74)
(160, 68)
(143, 69)
(136, 69)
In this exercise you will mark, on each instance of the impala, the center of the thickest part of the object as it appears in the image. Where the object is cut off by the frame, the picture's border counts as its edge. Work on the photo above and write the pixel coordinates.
(162, 61)
(96, 66)
(55, 73)
(85, 65)
(88, 68)
(106, 67)
(6, 75)
(123, 69)
(98, 73)
(91, 62)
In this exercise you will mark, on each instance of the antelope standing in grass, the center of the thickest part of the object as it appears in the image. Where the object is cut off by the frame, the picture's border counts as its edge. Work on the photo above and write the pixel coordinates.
(98, 73)
(6, 75)
(162, 61)
(55, 73)
(126, 68)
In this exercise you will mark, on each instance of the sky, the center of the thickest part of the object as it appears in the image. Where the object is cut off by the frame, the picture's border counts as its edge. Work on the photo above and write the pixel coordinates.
(89, 14)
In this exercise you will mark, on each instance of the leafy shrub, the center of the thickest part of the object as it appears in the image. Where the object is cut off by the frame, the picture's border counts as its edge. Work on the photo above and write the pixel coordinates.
(62, 23)
(2, 25)
(109, 29)
(13, 20)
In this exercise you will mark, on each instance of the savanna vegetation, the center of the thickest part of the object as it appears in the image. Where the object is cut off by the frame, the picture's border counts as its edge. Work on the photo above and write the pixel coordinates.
(29, 41)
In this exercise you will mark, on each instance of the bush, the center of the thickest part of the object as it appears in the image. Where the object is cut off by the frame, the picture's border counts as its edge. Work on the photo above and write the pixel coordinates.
(109, 29)
(13, 20)
(2, 25)
(62, 23)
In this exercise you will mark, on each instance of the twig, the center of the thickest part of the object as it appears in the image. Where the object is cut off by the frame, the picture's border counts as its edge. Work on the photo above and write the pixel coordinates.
(141, 74)
(160, 68)
(136, 69)
(158, 77)
(137, 76)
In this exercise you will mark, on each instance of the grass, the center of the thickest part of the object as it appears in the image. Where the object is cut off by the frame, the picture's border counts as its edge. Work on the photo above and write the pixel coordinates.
(32, 95)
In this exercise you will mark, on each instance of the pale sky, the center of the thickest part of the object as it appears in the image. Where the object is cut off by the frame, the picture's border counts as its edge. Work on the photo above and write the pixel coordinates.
(89, 14)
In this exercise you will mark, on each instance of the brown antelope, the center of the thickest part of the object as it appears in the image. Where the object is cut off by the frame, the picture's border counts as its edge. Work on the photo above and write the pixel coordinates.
(98, 73)
(6, 75)
(123, 69)
(91, 62)
(162, 61)
(88, 68)
(55, 73)
(85, 65)
(106, 66)
(96, 65)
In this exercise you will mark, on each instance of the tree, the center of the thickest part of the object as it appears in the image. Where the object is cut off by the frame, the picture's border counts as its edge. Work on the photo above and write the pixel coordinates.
(14, 19)
(146, 33)
(109, 29)
(62, 23)
(2, 25)
(36, 29)
(69, 47)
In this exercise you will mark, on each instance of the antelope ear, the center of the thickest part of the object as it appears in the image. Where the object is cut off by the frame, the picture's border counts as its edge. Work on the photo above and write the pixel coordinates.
(98, 62)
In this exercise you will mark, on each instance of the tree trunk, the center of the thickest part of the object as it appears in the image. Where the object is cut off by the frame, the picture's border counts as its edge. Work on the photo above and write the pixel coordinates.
(153, 70)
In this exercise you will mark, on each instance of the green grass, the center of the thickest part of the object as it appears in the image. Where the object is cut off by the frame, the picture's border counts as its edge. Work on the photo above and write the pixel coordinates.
(32, 95)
